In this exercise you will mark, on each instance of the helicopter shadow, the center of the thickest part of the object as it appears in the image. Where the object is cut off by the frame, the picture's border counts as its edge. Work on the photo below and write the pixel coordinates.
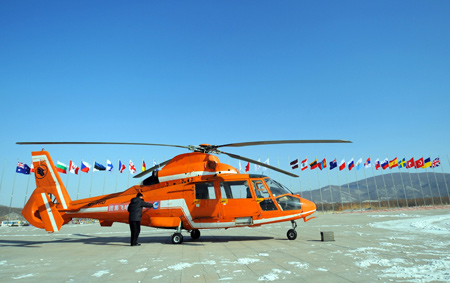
(125, 241)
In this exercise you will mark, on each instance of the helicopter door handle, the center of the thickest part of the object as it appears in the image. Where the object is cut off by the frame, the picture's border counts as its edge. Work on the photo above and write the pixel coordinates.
(224, 201)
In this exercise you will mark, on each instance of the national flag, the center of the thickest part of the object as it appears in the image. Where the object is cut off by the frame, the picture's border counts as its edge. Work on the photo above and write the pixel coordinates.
(109, 165)
(367, 163)
(427, 163)
(322, 164)
(247, 167)
(240, 166)
(257, 166)
(402, 163)
(22, 168)
(73, 168)
(333, 164)
(411, 163)
(98, 167)
(393, 163)
(294, 164)
(304, 165)
(359, 164)
(32, 168)
(342, 165)
(385, 164)
(143, 165)
(85, 167)
(313, 165)
(436, 163)
(419, 163)
(121, 166)
(61, 167)
(131, 167)
(351, 164)
(266, 162)
(377, 164)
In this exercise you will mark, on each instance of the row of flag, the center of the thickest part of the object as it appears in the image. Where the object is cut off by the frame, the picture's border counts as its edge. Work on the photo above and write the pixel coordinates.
(385, 164)
(85, 167)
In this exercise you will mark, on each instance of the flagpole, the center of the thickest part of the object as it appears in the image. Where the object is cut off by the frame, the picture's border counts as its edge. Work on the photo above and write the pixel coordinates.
(26, 193)
(290, 179)
(300, 178)
(421, 189)
(329, 185)
(3, 171)
(104, 178)
(92, 178)
(348, 186)
(79, 182)
(376, 186)
(309, 181)
(357, 186)
(385, 187)
(429, 185)
(445, 179)
(367, 185)
(340, 187)
(412, 186)
(12, 194)
(393, 182)
(403, 185)
(128, 184)
(117, 176)
(320, 188)
(437, 184)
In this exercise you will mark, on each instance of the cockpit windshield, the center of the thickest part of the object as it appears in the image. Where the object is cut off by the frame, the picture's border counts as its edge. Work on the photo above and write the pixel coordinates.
(276, 188)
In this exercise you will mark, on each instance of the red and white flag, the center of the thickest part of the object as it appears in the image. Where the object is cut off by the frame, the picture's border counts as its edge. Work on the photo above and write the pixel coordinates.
(304, 164)
(410, 163)
(132, 168)
(419, 163)
(342, 165)
(73, 168)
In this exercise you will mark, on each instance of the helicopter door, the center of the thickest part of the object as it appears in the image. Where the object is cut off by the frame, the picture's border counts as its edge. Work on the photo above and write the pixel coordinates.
(263, 197)
(206, 202)
(238, 204)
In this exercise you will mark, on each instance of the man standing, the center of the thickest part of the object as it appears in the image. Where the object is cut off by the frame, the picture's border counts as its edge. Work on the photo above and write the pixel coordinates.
(135, 215)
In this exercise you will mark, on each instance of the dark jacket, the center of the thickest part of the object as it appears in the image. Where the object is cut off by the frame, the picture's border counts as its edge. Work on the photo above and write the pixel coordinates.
(135, 208)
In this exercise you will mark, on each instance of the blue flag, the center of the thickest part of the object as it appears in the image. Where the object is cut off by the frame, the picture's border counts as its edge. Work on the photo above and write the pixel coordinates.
(333, 164)
(22, 168)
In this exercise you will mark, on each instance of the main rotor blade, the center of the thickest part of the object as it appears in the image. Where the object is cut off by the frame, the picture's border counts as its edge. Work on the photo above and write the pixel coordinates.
(259, 163)
(149, 170)
(239, 144)
(121, 143)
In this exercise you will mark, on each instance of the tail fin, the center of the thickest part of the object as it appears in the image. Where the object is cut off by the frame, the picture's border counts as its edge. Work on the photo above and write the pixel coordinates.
(50, 196)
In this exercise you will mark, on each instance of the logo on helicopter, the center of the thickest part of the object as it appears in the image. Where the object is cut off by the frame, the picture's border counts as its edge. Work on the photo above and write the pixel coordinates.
(156, 205)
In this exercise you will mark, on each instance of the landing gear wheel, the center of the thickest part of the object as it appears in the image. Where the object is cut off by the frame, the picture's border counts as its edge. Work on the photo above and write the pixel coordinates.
(291, 234)
(177, 238)
(195, 234)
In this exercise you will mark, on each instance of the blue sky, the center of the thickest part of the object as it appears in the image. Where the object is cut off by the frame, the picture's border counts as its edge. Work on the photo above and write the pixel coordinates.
(191, 72)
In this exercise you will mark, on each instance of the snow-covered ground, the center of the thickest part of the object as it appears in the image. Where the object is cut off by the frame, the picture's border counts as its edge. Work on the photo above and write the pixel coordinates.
(411, 246)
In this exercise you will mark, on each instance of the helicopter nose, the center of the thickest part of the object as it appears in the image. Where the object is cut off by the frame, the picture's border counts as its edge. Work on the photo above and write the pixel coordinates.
(308, 206)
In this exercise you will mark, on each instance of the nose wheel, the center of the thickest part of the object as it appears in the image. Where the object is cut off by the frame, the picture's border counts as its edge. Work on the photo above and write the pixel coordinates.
(291, 233)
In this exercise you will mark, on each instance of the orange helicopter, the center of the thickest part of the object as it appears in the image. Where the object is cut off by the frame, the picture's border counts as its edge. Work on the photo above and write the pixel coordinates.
(192, 191)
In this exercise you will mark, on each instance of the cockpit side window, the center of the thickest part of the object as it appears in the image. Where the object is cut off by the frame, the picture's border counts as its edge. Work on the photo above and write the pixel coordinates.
(260, 190)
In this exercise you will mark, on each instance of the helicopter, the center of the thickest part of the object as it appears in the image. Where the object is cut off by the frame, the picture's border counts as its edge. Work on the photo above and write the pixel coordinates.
(191, 191)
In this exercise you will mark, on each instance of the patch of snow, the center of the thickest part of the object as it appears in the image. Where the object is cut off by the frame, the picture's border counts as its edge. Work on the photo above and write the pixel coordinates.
(3, 262)
(433, 271)
(273, 275)
(180, 266)
(299, 264)
(427, 224)
(226, 278)
(23, 276)
(246, 260)
(158, 276)
(141, 270)
(321, 269)
(263, 254)
(100, 273)
(124, 261)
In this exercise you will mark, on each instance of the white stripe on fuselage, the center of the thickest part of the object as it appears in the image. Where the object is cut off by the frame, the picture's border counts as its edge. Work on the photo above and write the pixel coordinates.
(39, 158)
(193, 174)
(49, 212)
(181, 204)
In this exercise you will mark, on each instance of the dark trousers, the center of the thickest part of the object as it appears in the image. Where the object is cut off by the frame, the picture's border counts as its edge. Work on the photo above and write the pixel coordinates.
(135, 229)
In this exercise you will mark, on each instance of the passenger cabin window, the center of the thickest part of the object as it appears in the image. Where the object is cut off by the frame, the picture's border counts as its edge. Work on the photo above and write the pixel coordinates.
(235, 189)
(205, 191)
